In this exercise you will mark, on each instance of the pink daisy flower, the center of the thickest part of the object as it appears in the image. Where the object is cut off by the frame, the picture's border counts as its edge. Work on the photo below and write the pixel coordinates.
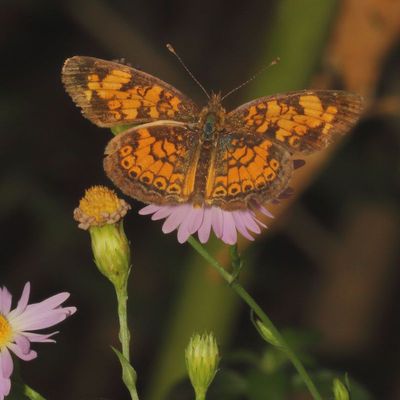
(187, 219)
(16, 326)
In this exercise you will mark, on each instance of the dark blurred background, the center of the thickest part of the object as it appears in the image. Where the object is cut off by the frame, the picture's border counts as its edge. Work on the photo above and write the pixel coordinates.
(329, 264)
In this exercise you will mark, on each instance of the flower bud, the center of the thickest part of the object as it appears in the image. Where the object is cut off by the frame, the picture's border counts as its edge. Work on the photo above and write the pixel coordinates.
(340, 391)
(100, 211)
(201, 362)
(267, 335)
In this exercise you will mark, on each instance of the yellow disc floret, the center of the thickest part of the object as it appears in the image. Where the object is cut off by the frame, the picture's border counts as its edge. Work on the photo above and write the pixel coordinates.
(6, 332)
(100, 206)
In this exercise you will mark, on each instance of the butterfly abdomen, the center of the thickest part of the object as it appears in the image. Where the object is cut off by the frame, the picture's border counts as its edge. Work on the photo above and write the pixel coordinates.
(210, 124)
(205, 163)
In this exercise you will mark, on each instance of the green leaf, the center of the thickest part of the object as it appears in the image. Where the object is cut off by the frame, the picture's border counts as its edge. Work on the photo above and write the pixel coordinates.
(116, 130)
(128, 373)
(32, 394)
(267, 334)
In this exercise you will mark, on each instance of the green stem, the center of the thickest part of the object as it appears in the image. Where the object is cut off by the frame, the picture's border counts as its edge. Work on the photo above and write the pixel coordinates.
(32, 394)
(237, 263)
(201, 396)
(239, 290)
(124, 335)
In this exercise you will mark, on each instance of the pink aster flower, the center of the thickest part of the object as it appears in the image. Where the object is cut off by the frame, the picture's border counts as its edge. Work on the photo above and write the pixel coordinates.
(188, 220)
(16, 326)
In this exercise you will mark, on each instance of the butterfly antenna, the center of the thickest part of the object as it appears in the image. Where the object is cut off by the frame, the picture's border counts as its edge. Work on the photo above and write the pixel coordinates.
(172, 50)
(272, 63)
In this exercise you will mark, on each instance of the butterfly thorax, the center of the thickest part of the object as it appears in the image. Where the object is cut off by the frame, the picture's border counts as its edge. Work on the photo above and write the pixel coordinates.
(210, 124)
(212, 118)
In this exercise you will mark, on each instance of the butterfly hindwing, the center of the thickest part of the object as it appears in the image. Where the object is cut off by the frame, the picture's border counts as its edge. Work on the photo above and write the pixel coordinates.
(247, 167)
(154, 163)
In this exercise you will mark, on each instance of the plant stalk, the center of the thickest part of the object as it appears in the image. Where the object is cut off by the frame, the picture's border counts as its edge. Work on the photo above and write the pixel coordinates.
(124, 335)
(248, 299)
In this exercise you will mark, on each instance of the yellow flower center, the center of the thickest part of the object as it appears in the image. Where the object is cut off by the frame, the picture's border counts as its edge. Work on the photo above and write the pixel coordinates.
(100, 206)
(99, 200)
(6, 332)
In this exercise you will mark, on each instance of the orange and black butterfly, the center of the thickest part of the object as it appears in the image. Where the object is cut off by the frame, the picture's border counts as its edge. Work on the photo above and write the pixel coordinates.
(177, 152)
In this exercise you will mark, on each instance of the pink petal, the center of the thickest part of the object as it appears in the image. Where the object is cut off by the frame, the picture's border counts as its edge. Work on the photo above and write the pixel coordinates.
(205, 228)
(196, 220)
(183, 232)
(23, 301)
(150, 209)
(5, 301)
(190, 224)
(5, 386)
(42, 315)
(176, 218)
(265, 211)
(40, 338)
(40, 321)
(161, 213)
(240, 226)
(255, 219)
(260, 223)
(19, 353)
(229, 234)
(217, 221)
(51, 303)
(69, 311)
(6, 363)
(23, 343)
(250, 223)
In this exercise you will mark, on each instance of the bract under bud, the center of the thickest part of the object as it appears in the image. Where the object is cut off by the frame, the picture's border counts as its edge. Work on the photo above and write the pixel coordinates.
(111, 252)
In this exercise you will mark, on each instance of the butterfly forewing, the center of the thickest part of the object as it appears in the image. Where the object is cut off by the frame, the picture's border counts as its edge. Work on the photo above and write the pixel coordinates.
(304, 121)
(112, 94)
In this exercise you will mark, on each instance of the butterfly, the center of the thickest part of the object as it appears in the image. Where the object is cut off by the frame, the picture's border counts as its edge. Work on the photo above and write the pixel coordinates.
(175, 152)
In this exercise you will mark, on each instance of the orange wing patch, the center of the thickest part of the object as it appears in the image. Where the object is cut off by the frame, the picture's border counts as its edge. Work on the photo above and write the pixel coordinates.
(247, 168)
(303, 121)
(153, 163)
(112, 94)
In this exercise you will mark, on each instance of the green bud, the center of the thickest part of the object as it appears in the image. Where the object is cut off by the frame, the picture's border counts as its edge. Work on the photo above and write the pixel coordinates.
(267, 334)
(111, 252)
(340, 391)
(201, 362)
(101, 212)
